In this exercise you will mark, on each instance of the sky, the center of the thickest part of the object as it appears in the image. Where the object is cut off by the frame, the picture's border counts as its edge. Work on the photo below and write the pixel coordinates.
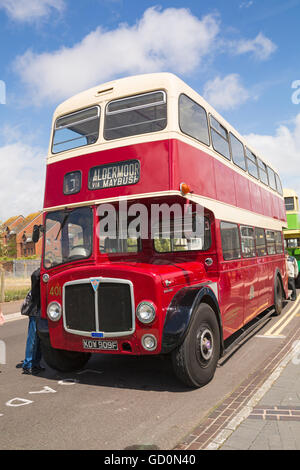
(241, 55)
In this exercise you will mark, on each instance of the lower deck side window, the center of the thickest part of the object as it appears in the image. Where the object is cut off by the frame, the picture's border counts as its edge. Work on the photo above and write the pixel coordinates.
(247, 242)
(230, 241)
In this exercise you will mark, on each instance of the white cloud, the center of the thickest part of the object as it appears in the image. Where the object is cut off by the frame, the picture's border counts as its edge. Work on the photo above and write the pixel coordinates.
(225, 93)
(283, 151)
(21, 178)
(261, 47)
(246, 4)
(30, 10)
(170, 39)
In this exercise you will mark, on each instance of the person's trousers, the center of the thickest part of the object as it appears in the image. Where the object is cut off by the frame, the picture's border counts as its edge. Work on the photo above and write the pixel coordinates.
(292, 285)
(33, 347)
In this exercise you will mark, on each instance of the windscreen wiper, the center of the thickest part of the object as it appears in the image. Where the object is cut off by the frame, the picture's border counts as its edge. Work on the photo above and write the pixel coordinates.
(63, 224)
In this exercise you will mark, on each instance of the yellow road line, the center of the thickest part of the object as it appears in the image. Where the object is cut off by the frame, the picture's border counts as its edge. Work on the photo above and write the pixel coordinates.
(289, 315)
(277, 332)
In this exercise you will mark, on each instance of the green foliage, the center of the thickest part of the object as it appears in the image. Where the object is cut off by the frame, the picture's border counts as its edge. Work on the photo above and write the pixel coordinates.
(16, 294)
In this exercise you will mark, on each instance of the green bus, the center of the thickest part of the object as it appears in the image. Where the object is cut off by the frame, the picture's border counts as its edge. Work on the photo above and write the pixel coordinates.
(292, 232)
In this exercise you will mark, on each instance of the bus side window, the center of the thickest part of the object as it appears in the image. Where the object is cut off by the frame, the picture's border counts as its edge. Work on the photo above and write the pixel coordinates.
(247, 241)
(278, 242)
(251, 163)
(261, 248)
(193, 119)
(230, 241)
(220, 139)
(237, 150)
(263, 175)
(270, 236)
(278, 184)
(272, 178)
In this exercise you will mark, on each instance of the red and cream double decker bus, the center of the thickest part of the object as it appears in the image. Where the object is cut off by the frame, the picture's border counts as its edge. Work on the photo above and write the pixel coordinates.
(132, 147)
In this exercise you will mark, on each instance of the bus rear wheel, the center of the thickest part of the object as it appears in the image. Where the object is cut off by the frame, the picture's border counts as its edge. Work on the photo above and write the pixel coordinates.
(278, 297)
(61, 360)
(195, 360)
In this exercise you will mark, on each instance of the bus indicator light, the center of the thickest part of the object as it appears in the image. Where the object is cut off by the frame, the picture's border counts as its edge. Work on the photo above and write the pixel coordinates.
(184, 188)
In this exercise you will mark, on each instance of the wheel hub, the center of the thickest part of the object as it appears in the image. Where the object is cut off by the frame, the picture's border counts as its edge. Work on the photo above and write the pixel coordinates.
(206, 344)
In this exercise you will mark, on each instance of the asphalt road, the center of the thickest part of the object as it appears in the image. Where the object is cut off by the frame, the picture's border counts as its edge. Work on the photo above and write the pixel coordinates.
(116, 402)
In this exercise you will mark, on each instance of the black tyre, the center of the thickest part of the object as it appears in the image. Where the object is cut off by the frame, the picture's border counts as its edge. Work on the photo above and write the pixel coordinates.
(278, 297)
(195, 360)
(63, 361)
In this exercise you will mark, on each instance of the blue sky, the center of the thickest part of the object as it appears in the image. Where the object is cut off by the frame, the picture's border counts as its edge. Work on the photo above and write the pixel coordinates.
(242, 55)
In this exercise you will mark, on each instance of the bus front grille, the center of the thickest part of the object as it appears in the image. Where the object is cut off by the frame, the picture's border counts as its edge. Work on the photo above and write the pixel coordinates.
(114, 307)
(107, 309)
(79, 307)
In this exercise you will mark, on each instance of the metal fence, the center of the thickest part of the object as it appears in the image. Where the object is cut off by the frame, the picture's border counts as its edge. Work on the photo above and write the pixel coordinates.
(21, 268)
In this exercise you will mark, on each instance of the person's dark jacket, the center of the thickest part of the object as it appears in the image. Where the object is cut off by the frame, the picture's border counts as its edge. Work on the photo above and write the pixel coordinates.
(32, 303)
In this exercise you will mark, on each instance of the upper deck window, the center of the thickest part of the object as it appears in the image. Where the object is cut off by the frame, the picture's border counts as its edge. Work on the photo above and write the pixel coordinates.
(251, 163)
(76, 129)
(136, 115)
(278, 184)
(272, 179)
(220, 138)
(193, 119)
(237, 149)
(263, 175)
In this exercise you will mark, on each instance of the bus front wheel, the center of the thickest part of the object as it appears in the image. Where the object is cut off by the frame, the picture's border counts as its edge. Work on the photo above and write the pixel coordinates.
(195, 360)
(63, 361)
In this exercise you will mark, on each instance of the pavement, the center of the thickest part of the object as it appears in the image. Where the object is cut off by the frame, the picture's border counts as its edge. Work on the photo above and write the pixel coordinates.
(11, 307)
(274, 422)
(263, 413)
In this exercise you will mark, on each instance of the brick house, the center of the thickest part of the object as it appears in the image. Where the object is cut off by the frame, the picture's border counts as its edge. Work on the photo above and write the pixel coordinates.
(16, 233)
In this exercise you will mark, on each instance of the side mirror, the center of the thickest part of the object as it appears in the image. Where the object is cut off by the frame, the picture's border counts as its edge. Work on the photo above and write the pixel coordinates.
(36, 233)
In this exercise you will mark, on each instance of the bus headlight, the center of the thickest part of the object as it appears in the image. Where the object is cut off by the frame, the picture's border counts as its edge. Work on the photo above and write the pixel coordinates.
(146, 312)
(54, 311)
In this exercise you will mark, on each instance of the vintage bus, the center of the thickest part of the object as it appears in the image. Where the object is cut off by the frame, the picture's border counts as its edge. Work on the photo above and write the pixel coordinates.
(292, 232)
(130, 146)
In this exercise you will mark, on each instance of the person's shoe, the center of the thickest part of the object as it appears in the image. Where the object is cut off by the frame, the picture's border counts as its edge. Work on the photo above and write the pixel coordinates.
(27, 371)
(19, 365)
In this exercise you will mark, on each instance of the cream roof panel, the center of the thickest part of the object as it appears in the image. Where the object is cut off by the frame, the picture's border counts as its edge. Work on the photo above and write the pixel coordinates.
(116, 89)
(289, 193)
